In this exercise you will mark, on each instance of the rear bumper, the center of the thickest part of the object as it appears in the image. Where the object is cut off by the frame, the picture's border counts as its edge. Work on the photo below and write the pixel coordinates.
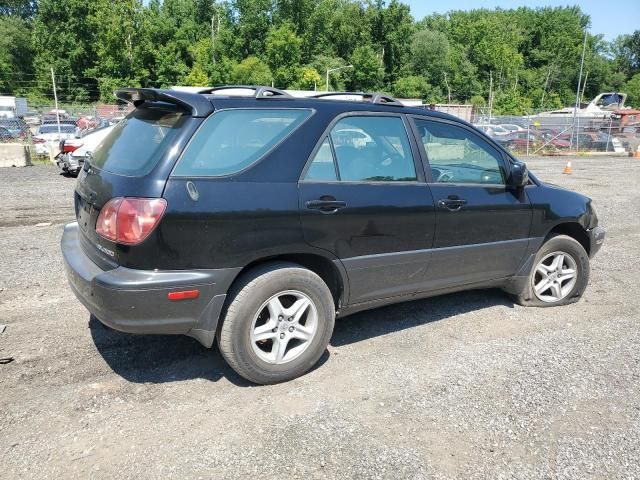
(596, 239)
(69, 163)
(135, 301)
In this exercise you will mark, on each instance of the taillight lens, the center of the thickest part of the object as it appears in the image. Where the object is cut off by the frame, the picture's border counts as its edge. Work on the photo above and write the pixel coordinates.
(130, 220)
(66, 148)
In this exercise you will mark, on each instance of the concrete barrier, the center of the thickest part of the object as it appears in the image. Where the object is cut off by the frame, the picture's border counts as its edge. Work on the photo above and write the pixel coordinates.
(14, 155)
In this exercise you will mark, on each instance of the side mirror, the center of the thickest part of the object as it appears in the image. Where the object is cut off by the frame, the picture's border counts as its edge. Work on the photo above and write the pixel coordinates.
(519, 175)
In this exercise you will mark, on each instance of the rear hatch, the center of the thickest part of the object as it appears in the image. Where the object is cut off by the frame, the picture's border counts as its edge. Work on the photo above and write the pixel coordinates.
(133, 160)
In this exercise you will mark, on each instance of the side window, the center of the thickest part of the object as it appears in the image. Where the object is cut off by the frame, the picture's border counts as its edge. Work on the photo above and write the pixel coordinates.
(322, 167)
(457, 155)
(367, 149)
(231, 140)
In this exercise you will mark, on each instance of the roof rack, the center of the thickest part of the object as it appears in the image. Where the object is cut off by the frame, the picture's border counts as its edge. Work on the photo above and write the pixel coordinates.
(375, 98)
(259, 91)
(199, 105)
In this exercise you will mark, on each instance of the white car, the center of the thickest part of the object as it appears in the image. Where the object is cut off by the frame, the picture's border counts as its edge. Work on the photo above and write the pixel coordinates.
(75, 151)
(48, 136)
(493, 130)
(512, 127)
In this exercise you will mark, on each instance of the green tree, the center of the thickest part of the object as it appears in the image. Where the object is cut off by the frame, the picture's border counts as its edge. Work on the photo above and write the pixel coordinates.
(632, 88)
(412, 86)
(15, 55)
(397, 27)
(252, 25)
(367, 73)
(251, 71)
(197, 77)
(307, 78)
(117, 26)
(62, 40)
(626, 49)
(430, 54)
(283, 47)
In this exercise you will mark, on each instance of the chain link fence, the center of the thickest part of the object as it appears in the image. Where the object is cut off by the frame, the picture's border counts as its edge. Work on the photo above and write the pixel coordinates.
(559, 134)
(43, 126)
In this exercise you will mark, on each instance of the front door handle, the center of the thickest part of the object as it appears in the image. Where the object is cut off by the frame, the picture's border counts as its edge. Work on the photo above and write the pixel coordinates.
(452, 204)
(326, 206)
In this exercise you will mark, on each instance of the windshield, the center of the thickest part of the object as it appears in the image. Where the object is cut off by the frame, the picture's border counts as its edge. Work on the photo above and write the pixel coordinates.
(136, 144)
(54, 129)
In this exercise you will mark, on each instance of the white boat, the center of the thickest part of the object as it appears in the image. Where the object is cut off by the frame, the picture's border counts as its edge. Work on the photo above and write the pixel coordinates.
(599, 109)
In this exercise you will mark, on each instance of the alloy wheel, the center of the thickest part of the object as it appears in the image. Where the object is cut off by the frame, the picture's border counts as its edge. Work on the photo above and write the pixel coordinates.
(284, 327)
(554, 277)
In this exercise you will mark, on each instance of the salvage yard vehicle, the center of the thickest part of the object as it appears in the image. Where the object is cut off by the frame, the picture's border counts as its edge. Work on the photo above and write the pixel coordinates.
(73, 152)
(240, 219)
(49, 135)
(16, 126)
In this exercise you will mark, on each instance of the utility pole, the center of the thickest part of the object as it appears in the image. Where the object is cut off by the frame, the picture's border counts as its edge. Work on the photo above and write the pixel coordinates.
(213, 37)
(584, 85)
(448, 88)
(55, 97)
(575, 108)
(490, 95)
(546, 83)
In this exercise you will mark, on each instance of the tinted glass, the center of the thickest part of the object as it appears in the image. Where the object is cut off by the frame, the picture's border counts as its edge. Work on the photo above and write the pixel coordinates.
(136, 144)
(457, 155)
(54, 129)
(231, 140)
(322, 166)
(373, 149)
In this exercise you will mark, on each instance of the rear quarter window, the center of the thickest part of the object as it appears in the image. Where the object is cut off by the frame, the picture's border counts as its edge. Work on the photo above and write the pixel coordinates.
(136, 143)
(231, 140)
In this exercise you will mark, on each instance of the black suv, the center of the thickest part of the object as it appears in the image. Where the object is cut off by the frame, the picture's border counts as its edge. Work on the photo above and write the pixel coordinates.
(256, 220)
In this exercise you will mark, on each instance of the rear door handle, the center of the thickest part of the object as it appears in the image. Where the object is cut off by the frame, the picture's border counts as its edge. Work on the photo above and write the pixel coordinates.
(452, 205)
(326, 206)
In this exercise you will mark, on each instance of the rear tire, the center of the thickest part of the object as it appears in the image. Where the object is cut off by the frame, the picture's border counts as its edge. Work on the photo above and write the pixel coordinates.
(559, 275)
(278, 323)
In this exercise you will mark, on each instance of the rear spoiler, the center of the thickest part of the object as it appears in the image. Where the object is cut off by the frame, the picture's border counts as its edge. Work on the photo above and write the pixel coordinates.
(197, 104)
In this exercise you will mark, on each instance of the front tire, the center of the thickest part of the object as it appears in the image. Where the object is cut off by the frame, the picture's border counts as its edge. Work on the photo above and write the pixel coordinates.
(278, 323)
(559, 276)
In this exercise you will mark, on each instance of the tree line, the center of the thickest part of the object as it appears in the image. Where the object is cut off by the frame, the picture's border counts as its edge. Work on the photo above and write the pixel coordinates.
(528, 57)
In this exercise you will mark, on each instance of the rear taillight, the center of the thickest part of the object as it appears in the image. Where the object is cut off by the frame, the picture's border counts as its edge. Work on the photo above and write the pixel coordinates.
(129, 220)
(38, 140)
(66, 148)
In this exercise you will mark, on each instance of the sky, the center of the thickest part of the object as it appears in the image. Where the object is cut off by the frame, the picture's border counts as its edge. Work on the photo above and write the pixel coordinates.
(608, 17)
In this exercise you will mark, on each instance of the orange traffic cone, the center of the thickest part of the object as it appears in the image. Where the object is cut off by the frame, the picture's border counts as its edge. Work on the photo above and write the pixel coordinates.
(637, 152)
(567, 170)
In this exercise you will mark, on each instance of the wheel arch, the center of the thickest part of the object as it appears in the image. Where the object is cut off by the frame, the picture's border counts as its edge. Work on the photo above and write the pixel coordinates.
(573, 230)
(331, 272)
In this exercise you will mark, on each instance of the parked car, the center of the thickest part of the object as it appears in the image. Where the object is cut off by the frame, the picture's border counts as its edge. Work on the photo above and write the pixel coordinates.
(239, 220)
(48, 135)
(519, 140)
(16, 126)
(74, 152)
(599, 142)
(5, 135)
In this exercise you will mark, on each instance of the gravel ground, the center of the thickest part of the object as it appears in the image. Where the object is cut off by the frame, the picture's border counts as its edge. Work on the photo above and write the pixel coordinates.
(463, 386)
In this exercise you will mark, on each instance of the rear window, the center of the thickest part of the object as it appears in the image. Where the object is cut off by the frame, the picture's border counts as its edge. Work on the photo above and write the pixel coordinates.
(54, 129)
(231, 140)
(136, 144)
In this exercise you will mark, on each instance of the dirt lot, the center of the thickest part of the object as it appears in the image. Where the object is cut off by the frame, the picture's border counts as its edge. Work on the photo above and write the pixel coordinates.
(462, 386)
